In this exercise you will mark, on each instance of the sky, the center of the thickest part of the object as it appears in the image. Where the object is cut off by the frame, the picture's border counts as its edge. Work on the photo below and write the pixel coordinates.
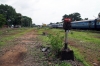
(47, 11)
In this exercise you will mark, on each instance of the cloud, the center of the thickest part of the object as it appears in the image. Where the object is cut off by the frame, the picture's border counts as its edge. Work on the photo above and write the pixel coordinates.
(46, 11)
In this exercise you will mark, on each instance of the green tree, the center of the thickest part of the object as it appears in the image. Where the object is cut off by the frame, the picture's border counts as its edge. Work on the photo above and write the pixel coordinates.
(65, 16)
(18, 18)
(9, 13)
(26, 21)
(50, 23)
(57, 22)
(2, 20)
(86, 19)
(74, 16)
(12, 17)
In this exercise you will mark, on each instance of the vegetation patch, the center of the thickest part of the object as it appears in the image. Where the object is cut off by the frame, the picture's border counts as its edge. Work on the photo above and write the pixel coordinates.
(10, 34)
(55, 41)
(79, 56)
(85, 36)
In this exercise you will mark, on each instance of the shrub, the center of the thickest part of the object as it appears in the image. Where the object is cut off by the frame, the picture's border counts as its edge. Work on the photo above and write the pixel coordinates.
(56, 42)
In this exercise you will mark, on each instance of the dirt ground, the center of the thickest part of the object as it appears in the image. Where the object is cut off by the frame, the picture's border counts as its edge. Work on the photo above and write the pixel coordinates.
(25, 51)
(16, 54)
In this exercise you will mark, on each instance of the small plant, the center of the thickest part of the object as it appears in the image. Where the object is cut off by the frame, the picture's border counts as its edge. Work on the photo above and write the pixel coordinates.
(63, 64)
(56, 42)
(99, 59)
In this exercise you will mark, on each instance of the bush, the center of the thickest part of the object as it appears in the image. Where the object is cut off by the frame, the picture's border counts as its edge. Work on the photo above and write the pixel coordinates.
(56, 42)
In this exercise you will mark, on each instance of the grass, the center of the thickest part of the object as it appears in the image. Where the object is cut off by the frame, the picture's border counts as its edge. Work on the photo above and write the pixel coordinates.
(85, 36)
(63, 64)
(55, 44)
(88, 43)
(89, 40)
(79, 56)
(11, 34)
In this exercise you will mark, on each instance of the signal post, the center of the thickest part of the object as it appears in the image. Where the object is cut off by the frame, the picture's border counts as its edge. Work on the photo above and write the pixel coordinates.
(66, 53)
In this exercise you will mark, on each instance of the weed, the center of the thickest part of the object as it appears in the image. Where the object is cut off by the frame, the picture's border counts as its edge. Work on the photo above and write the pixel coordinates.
(63, 64)
(56, 42)
(99, 59)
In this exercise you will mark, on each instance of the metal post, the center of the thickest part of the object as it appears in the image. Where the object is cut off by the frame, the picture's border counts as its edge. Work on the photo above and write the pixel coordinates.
(66, 39)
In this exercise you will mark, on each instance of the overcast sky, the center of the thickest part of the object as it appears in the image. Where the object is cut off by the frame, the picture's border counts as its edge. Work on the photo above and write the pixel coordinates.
(46, 11)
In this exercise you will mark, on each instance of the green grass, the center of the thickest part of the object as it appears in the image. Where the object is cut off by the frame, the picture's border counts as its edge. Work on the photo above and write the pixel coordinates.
(56, 44)
(90, 39)
(79, 56)
(63, 64)
(87, 37)
(10, 36)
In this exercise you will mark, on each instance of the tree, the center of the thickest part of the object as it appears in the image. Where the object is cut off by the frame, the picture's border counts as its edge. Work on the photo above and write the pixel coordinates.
(2, 20)
(86, 19)
(26, 21)
(12, 17)
(9, 13)
(51, 23)
(65, 16)
(74, 16)
(18, 19)
(33, 24)
(57, 22)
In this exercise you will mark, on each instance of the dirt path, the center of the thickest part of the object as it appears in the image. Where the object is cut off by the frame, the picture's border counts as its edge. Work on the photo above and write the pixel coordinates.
(18, 53)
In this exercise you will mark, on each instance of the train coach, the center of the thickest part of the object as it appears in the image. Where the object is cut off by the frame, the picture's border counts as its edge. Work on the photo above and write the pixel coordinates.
(54, 25)
(86, 24)
(93, 24)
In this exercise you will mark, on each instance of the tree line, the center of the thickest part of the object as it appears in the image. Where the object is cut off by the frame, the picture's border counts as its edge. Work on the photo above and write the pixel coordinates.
(74, 17)
(9, 16)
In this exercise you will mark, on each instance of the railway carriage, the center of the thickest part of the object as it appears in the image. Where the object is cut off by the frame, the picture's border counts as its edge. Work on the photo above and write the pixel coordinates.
(98, 23)
(86, 24)
(54, 25)
(93, 24)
